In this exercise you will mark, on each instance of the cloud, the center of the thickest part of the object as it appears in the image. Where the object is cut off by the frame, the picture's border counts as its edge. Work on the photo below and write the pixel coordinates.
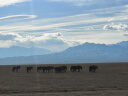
(52, 26)
(119, 27)
(9, 36)
(78, 25)
(62, 24)
(10, 2)
(16, 17)
(76, 2)
(8, 39)
(125, 34)
(50, 41)
(6, 44)
(90, 2)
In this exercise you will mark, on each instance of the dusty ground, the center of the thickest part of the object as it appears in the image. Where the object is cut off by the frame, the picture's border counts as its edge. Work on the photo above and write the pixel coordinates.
(110, 80)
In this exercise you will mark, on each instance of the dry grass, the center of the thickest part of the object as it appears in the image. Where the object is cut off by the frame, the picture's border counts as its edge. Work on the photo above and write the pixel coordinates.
(111, 79)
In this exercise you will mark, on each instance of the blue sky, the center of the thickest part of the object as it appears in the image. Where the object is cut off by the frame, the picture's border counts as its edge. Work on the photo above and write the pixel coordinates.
(59, 24)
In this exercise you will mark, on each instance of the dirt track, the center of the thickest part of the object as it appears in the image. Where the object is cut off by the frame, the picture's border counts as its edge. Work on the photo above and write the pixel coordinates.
(110, 79)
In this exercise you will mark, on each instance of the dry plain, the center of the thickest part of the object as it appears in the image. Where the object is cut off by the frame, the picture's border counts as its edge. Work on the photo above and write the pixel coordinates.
(111, 79)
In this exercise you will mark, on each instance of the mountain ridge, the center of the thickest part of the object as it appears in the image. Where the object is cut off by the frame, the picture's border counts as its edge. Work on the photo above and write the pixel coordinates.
(85, 53)
(15, 51)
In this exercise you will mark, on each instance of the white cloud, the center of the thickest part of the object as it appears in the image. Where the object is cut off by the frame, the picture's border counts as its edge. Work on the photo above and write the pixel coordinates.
(10, 2)
(9, 36)
(56, 24)
(90, 28)
(50, 41)
(88, 2)
(119, 27)
(53, 26)
(7, 43)
(125, 34)
(76, 2)
(16, 17)
(98, 37)
(77, 24)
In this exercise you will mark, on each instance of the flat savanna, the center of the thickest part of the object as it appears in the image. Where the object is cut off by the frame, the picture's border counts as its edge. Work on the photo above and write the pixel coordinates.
(111, 79)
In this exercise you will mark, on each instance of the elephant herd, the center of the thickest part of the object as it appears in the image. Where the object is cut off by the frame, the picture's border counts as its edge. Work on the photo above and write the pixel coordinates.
(59, 69)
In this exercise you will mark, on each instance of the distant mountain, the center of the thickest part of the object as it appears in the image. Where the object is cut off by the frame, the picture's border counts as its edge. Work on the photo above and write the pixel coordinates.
(21, 51)
(123, 44)
(85, 53)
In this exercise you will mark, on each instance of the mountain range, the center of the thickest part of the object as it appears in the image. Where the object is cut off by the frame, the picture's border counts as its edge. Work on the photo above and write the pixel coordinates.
(85, 53)
(16, 51)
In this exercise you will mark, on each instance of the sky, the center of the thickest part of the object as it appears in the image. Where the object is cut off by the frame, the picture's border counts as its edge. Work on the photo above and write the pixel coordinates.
(59, 24)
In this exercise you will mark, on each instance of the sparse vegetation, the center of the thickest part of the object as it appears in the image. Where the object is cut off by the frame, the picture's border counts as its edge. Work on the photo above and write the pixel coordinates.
(110, 79)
